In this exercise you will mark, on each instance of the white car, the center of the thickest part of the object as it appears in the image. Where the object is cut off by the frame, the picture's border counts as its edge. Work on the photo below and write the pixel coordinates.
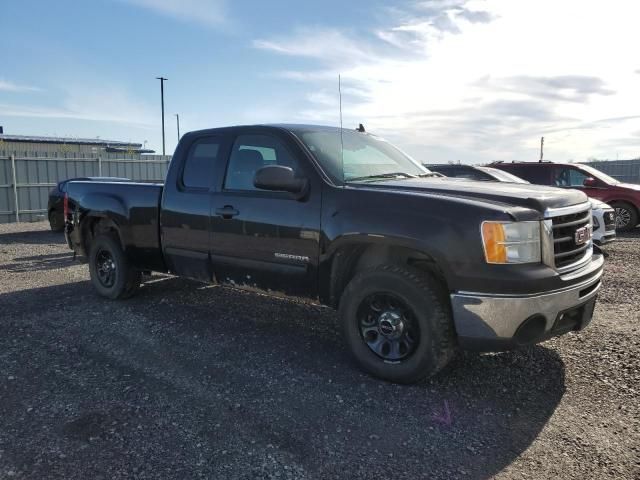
(604, 222)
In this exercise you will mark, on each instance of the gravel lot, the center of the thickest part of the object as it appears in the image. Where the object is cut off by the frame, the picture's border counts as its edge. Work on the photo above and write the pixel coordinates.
(191, 381)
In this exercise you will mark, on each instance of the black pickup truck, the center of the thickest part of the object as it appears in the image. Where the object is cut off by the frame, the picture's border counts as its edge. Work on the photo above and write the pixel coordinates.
(417, 265)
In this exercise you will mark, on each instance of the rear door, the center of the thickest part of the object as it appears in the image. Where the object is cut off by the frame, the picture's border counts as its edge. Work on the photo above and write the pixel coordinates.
(265, 239)
(185, 216)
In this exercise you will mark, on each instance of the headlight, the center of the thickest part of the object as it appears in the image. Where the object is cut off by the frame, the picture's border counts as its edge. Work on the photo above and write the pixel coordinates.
(511, 242)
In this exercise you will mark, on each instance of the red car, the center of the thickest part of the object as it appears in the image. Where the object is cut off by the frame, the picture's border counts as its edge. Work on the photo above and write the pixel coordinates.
(624, 197)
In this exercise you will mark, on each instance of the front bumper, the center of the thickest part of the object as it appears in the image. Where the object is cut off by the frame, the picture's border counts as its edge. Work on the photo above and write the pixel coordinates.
(489, 322)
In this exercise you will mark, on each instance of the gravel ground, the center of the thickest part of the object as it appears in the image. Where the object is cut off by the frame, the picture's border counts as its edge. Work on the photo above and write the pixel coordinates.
(192, 381)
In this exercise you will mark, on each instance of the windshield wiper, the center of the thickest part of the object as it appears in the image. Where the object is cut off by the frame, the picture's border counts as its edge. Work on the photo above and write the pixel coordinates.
(430, 174)
(382, 175)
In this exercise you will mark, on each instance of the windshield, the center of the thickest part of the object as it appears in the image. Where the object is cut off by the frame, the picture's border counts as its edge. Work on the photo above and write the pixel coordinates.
(501, 175)
(598, 174)
(364, 156)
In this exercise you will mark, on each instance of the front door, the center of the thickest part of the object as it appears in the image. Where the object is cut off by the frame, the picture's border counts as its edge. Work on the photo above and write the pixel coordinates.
(264, 239)
(572, 177)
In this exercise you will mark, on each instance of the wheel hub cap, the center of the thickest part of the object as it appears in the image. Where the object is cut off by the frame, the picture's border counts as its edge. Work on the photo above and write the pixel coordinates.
(390, 325)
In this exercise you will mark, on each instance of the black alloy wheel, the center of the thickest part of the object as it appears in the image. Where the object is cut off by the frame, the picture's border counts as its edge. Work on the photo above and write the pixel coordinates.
(106, 268)
(112, 274)
(397, 322)
(388, 327)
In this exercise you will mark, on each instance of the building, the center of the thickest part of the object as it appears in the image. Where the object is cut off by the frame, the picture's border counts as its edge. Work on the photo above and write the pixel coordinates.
(36, 146)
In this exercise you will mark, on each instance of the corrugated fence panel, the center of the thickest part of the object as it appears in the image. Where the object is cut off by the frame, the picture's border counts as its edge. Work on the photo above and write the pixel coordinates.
(622, 170)
(36, 176)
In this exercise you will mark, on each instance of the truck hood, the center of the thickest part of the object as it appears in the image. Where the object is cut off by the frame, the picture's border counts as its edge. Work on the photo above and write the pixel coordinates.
(536, 197)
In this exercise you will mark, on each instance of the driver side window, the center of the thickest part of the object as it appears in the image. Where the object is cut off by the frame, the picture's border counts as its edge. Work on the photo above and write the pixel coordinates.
(569, 177)
(249, 154)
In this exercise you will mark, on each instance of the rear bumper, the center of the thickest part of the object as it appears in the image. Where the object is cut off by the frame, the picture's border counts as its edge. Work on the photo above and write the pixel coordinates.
(497, 322)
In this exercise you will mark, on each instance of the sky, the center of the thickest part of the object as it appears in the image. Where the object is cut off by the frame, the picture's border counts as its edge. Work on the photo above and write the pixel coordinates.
(446, 80)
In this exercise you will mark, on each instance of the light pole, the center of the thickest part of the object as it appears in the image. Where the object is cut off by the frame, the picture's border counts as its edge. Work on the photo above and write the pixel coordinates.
(178, 124)
(162, 80)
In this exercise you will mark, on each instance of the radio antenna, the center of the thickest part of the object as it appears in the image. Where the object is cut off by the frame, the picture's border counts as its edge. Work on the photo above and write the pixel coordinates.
(341, 138)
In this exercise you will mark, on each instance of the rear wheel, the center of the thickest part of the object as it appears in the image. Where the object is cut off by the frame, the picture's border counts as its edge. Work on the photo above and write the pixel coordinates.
(111, 273)
(397, 323)
(626, 216)
(56, 222)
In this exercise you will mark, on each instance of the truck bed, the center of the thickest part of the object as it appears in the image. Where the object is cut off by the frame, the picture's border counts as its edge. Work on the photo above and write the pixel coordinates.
(133, 206)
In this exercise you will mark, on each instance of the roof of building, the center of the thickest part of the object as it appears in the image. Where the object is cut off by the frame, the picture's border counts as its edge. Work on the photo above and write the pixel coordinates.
(68, 140)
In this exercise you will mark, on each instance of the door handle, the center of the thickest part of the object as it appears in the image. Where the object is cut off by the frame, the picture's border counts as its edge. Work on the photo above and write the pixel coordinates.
(227, 212)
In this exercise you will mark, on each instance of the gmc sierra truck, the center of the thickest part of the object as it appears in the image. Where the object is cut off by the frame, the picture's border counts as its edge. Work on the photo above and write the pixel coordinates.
(417, 265)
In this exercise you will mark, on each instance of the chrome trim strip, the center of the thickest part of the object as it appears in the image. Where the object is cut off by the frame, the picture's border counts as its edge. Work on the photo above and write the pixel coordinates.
(556, 212)
(546, 233)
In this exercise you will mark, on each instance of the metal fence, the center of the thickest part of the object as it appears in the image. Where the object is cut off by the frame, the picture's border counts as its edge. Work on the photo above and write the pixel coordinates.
(25, 182)
(623, 170)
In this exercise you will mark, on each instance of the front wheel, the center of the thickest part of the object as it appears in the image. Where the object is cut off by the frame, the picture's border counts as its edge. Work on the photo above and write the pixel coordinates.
(626, 216)
(397, 323)
(111, 273)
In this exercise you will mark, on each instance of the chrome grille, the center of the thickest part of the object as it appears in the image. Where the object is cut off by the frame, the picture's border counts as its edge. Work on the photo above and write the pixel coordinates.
(568, 252)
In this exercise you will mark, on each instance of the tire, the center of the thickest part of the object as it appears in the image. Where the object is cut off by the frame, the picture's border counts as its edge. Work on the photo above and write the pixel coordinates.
(56, 222)
(417, 303)
(626, 216)
(111, 273)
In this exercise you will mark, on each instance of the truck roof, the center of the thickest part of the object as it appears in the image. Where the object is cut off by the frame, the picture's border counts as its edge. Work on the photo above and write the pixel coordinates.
(533, 162)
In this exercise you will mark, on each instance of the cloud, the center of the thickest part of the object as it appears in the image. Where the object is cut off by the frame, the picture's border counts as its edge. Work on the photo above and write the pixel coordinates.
(100, 105)
(328, 45)
(210, 13)
(475, 16)
(571, 88)
(7, 86)
(473, 79)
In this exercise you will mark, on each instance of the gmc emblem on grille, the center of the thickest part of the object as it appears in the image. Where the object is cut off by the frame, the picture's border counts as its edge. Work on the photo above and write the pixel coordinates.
(582, 235)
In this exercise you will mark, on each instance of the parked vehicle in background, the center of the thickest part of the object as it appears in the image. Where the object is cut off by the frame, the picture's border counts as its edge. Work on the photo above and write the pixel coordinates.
(623, 197)
(474, 172)
(604, 229)
(604, 222)
(55, 206)
(416, 265)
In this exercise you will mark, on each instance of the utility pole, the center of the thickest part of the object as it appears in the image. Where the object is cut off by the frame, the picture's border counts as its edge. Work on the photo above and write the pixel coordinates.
(541, 148)
(178, 125)
(162, 80)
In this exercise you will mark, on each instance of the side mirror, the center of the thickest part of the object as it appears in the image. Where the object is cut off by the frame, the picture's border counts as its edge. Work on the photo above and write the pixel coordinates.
(590, 182)
(280, 179)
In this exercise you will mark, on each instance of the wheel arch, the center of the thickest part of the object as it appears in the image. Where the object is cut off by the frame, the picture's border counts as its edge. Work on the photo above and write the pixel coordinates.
(94, 224)
(350, 258)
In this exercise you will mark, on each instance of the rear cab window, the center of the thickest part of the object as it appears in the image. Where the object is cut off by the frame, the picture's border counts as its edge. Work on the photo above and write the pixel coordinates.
(199, 165)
